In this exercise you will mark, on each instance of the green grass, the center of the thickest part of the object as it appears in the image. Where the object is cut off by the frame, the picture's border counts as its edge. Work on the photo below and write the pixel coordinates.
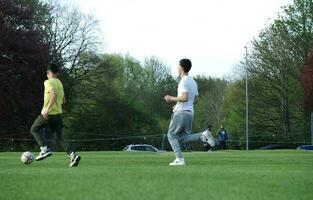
(279, 175)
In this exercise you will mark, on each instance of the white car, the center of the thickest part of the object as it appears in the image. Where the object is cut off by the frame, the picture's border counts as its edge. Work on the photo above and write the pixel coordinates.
(140, 147)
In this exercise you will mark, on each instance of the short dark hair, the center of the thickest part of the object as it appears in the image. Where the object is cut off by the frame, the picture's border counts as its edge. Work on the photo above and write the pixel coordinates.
(53, 68)
(185, 64)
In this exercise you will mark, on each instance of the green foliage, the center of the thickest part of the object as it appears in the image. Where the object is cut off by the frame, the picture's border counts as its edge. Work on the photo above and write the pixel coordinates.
(275, 61)
(121, 98)
(23, 57)
(209, 108)
(234, 113)
(112, 95)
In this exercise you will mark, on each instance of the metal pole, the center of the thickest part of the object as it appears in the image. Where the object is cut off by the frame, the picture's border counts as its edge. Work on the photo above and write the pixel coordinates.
(247, 102)
(312, 128)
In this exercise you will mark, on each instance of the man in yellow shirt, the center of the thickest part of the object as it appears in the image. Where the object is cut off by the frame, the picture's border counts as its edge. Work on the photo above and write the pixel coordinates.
(51, 117)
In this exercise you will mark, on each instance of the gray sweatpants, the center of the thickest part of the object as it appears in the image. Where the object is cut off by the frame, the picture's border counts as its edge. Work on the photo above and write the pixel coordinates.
(180, 131)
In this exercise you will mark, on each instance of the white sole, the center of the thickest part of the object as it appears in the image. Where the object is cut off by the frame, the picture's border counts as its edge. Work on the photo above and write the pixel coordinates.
(46, 155)
(76, 161)
(175, 165)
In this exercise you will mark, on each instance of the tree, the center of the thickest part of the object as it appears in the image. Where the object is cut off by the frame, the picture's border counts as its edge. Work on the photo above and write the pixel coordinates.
(23, 59)
(111, 103)
(211, 97)
(157, 82)
(274, 67)
(233, 108)
(71, 34)
(307, 84)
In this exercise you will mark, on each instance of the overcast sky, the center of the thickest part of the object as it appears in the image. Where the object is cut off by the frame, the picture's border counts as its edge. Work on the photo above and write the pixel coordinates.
(212, 33)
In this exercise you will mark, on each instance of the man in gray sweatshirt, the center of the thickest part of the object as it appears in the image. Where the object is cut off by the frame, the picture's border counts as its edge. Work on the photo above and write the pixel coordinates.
(183, 113)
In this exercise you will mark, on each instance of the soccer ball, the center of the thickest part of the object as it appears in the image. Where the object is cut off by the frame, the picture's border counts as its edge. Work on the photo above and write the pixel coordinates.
(27, 157)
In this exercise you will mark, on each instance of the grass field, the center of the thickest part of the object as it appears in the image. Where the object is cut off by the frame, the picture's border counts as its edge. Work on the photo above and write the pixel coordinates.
(118, 175)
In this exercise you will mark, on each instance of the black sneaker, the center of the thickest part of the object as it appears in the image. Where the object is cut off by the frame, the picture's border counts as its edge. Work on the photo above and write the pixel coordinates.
(74, 159)
(44, 153)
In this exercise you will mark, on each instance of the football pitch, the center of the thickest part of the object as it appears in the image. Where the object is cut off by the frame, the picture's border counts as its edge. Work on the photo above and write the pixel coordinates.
(126, 176)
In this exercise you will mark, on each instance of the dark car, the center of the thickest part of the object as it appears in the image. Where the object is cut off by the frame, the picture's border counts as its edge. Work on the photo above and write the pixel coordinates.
(273, 146)
(305, 147)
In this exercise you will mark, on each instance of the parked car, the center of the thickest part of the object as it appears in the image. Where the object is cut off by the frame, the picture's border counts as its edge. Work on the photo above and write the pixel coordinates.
(305, 147)
(140, 147)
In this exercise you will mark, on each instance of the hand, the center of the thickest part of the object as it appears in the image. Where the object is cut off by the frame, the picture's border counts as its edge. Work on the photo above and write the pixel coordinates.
(45, 113)
(168, 98)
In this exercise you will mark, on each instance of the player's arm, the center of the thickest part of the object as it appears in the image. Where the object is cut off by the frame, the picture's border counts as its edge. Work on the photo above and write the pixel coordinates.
(53, 97)
(63, 100)
(182, 98)
(196, 99)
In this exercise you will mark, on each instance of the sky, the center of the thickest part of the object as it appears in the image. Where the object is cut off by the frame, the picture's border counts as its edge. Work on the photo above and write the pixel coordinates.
(211, 33)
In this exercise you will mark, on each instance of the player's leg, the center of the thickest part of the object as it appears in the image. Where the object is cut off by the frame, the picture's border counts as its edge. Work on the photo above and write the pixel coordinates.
(222, 144)
(38, 124)
(187, 138)
(57, 124)
(225, 145)
(187, 118)
(176, 126)
(74, 157)
(205, 137)
(205, 147)
(60, 140)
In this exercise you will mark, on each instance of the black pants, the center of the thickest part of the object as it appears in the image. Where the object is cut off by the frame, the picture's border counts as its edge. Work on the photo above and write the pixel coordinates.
(55, 124)
(206, 147)
(222, 144)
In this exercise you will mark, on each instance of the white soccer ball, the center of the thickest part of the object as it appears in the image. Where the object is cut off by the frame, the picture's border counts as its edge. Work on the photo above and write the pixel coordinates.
(27, 157)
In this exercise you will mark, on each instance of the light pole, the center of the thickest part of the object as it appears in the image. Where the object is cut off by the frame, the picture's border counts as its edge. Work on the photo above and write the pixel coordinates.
(247, 101)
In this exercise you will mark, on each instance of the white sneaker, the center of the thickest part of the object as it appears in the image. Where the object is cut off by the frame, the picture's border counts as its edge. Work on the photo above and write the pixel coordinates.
(44, 153)
(74, 159)
(178, 162)
(206, 136)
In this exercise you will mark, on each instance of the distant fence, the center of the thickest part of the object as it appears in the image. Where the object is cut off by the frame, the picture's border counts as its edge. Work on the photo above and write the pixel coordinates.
(15, 142)
(112, 143)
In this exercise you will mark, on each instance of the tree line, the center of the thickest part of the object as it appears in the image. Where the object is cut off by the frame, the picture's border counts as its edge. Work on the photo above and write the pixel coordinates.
(111, 96)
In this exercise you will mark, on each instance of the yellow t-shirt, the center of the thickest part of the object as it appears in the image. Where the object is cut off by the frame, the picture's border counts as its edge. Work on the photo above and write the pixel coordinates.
(58, 87)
